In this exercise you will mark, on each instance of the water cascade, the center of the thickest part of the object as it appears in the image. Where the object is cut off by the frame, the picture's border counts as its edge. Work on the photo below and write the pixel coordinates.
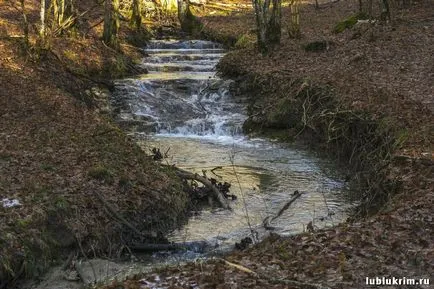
(183, 107)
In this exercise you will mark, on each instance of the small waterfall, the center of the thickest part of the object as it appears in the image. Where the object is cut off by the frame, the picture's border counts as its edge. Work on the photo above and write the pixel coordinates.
(182, 106)
(181, 95)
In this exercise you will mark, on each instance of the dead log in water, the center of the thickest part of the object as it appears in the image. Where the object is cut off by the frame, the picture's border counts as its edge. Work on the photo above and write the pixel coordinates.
(224, 203)
(269, 219)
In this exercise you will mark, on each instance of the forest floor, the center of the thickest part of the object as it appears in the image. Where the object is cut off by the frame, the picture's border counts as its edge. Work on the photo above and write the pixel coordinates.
(381, 71)
(61, 155)
(59, 151)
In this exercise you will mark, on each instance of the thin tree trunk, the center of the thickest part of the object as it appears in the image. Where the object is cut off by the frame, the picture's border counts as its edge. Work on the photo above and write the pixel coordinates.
(136, 16)
(25, 24)
(61, 12)
(386, 10)
(294, 28)
(42, 13)
(55, 12)
(370, 9)
(186, 18)
(268, 23)
(274, 27)
(261, 24)
(111, 22)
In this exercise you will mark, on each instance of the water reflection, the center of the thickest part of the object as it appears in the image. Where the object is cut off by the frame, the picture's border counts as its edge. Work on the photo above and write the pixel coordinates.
(263, 177)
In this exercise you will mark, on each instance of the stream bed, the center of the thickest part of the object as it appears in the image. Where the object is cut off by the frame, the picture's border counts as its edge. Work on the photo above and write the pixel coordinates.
(183, 108)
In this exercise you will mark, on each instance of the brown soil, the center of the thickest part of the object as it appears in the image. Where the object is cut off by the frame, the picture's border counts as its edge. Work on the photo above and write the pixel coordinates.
(382, 73)
(59, 152)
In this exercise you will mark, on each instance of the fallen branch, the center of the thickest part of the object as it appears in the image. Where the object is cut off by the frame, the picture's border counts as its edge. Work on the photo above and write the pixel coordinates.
(216, 168)
(267, 220)
(274, 280)
(190, 176)
(95, 25)
(240, 267)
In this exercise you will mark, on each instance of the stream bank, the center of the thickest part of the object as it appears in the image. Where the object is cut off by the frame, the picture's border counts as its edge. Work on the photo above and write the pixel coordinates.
(363, 114)
(181, 106)
(61, 154)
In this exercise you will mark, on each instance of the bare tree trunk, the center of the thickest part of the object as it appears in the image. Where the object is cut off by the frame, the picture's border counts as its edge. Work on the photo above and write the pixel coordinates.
(42, 13)
(55, 8)
(136, 16)
(61, 14)
(274, 26)
(186, 18)
(385, 14)
(294, 26)
(268, 23)
(261, 23)
(111, 22)
(25, 24)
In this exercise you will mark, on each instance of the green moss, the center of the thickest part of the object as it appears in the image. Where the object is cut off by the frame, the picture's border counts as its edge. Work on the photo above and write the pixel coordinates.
(119, 66)
(244, 41)
(349, 22)
(101, 173)
(71, 55)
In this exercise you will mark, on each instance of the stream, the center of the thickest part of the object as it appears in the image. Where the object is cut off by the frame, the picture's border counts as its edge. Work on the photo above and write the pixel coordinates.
(183, 108)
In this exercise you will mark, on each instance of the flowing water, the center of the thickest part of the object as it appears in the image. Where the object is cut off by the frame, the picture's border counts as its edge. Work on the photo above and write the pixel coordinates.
(184, 109)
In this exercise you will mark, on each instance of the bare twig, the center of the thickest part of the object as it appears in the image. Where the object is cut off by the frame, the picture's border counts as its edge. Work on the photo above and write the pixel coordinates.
(295, 196)
(216, 168)
(94, 25)
(268, 220)
(274, 280)
(232, 159)
(240, 267)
